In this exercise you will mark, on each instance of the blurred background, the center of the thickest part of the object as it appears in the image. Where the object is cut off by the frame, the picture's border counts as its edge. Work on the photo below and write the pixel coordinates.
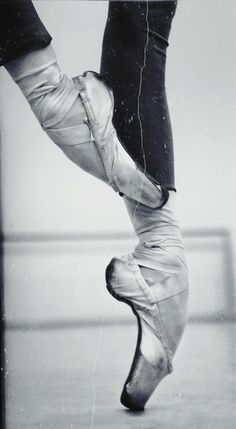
(61, 228)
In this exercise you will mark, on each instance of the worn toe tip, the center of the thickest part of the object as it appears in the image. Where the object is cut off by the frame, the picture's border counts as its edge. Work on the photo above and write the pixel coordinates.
(127, 401)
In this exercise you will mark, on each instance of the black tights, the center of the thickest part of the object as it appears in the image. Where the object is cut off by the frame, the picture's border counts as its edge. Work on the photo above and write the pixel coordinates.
(133, 63)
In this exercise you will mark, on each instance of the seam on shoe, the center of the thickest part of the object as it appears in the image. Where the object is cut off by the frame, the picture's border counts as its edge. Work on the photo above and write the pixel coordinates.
(74, 145)
(93, 124)
(88, 103)
(166, 265)
(175, 294)
(160, 270)
(82, 125)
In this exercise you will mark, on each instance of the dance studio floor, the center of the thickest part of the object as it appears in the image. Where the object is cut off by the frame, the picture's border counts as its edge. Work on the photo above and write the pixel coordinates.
(72, 378)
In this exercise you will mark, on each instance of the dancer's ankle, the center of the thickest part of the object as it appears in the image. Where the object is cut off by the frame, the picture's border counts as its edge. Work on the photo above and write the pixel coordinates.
(50, 93)
(31, 62)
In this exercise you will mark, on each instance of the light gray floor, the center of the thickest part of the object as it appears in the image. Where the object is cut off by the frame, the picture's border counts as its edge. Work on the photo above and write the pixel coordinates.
(72, 378)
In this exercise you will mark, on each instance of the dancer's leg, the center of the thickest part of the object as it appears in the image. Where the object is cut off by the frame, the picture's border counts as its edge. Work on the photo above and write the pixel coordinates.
(154, 279)
(133, 63)
(76, 114)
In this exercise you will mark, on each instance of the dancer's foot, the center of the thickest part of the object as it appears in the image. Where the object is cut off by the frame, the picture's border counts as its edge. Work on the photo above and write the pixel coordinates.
(77, 115)
(154, 282)
(161, 316)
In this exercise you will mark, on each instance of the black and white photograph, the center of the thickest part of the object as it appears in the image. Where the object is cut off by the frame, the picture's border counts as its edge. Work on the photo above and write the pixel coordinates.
(118, 208)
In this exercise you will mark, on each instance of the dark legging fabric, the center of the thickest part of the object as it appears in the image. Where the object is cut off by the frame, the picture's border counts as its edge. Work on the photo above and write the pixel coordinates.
(133, 63)
(21, 30)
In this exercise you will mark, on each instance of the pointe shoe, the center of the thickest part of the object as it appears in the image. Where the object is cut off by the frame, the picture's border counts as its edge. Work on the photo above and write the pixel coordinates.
(91, 140)
(161, 312)
(122, 172)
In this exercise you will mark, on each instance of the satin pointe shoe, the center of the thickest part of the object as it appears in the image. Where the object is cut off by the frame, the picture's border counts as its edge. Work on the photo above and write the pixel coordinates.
(77, 116)
(161, 310)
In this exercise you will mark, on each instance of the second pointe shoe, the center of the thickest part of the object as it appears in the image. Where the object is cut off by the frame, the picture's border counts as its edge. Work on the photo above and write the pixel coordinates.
(160, 309)
(122, 172)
